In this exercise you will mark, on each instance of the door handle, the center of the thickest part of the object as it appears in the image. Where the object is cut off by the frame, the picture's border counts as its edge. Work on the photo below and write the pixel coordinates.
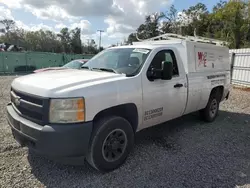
(178, 85)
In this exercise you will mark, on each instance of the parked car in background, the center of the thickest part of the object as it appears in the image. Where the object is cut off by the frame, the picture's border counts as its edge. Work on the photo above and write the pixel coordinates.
(6, 47)
(74, 64)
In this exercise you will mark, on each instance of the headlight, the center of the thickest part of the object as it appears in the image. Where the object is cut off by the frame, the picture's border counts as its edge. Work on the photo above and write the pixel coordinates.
(67, 110)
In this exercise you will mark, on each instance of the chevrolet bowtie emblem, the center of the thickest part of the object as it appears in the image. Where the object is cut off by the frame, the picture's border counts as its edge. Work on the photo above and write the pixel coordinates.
(17, 101)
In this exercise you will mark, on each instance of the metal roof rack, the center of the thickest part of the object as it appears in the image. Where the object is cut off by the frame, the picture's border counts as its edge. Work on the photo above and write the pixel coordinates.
(172, 36)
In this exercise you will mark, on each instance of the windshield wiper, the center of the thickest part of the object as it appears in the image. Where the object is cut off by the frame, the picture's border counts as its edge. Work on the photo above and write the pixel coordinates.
(85, 67)
(106, 69)
(100, 69)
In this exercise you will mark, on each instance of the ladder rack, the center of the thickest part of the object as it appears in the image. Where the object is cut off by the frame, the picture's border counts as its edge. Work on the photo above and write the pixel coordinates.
(172, 36)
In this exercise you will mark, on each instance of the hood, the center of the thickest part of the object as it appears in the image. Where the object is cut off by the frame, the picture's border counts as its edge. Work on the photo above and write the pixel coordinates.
(48, 83)
(49, 68)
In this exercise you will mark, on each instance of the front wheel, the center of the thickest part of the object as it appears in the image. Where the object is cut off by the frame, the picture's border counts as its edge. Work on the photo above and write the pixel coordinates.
(210, 113)
(111, 143)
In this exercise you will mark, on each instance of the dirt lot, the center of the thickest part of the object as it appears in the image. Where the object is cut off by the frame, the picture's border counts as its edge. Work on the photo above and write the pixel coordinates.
(183, 153)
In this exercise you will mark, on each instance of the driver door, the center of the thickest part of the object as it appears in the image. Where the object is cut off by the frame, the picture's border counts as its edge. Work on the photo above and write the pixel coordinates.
(163, 100)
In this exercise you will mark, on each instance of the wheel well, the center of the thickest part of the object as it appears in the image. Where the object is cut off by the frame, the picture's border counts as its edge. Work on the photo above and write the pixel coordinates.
(218, 91)
(127, 111)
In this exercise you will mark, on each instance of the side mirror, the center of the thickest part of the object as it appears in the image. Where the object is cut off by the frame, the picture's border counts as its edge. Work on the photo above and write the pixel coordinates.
(154, 74)
(167, 70)
(165, 73)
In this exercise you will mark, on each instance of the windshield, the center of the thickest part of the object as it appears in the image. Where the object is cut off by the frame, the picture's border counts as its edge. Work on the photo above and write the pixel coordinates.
(121, 60)
(73, 64)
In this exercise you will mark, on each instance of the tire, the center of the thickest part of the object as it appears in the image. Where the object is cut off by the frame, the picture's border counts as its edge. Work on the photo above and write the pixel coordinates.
(210, 112)
(112, 140)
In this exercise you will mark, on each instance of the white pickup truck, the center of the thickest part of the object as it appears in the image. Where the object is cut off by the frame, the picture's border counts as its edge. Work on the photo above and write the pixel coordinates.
(96, 111)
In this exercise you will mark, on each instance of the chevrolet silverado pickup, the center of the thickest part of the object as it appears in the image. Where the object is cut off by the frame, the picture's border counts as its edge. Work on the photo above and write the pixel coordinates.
(95, 111)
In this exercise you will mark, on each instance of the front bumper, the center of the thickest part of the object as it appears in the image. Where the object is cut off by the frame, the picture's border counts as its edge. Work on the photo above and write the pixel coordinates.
(57, 141)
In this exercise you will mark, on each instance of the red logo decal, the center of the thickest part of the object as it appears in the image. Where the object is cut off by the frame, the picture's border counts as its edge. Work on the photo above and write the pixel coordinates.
(202, 57)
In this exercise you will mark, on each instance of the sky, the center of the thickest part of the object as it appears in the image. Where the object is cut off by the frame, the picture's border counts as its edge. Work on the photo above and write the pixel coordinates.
(117, 18)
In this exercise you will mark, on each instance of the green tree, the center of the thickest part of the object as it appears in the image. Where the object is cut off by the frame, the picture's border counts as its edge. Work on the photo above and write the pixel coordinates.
(131, 38)
(151, 26)
(171, 24)
(64, 36)
(197, 20)
(76, 43)
(91, 48)
(8, 25)
(233, 16)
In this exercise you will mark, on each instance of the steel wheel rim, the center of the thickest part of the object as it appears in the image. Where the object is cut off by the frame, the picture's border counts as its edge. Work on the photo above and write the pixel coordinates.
(213, 108)
(114, 145)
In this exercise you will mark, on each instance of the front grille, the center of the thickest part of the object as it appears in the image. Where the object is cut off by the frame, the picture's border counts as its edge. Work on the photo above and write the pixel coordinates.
(29, 98)
(30, 107)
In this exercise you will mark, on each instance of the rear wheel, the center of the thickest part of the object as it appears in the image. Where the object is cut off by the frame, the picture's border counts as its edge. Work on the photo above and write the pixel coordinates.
(210, 113)
(111, 143)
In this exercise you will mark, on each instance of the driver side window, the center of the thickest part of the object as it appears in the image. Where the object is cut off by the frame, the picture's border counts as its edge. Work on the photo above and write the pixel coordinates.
(165, 55)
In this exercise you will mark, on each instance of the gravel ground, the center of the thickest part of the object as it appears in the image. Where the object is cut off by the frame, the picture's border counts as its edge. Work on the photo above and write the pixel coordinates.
(184, 153)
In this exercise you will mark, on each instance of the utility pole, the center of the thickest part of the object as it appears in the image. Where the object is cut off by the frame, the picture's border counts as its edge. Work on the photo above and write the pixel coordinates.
(100, 40)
